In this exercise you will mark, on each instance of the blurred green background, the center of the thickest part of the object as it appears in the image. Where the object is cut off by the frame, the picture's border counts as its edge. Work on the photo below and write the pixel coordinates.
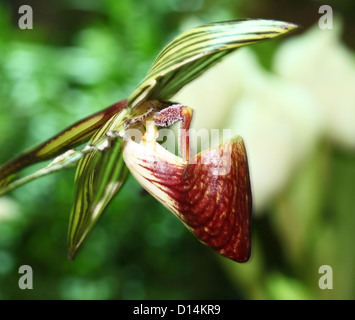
(82, 56)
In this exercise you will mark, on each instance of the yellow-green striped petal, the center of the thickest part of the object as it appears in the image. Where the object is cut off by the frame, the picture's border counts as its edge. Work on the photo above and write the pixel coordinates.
(69, 138)
(99, 177)
(193, 52)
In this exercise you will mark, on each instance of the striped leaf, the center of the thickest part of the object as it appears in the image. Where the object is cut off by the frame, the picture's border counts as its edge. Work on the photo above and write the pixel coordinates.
(193, 52)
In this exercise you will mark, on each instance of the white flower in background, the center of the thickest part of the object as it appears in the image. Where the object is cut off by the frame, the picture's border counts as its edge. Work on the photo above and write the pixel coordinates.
(318, 61)
(280, 123)
(213, 94)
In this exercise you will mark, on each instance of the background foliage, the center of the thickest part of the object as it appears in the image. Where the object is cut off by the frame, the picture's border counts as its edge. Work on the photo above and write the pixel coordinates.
(82, 56)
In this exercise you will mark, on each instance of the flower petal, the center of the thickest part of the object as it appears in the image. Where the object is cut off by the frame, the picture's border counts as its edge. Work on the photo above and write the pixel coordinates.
(99, 177)
(211, 194)
(193, 52)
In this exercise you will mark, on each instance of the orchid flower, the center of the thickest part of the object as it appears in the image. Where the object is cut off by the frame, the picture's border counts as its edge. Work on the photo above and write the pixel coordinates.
(209, 192)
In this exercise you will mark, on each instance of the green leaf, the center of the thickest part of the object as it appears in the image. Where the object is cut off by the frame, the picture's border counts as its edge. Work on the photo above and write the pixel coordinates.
(193, 52)
(69, 138)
